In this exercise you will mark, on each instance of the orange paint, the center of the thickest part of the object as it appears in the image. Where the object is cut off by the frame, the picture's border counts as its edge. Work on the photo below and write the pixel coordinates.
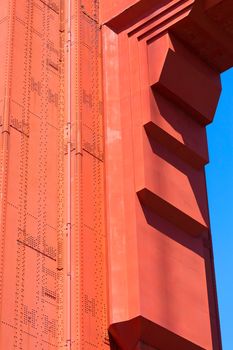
(162, 65)
(105, 240)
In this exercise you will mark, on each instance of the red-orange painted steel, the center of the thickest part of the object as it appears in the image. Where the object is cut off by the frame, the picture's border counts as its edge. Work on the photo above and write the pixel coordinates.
(30, 134)
(162, 64)
(105, 240)
(52, 180)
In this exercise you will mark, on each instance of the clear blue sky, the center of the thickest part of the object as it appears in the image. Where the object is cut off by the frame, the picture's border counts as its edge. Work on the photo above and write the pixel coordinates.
(220, 191)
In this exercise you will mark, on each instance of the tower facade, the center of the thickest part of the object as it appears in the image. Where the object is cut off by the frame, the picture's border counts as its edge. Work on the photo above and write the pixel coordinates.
(105, 234)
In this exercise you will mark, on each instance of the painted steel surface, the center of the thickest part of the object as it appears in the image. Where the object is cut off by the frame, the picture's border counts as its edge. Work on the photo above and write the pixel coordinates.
(105, 236)
(30, 84)
(162, 64)
(53, 259)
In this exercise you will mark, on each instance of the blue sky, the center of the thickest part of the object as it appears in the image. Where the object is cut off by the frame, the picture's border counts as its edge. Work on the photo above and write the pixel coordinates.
(220, 191)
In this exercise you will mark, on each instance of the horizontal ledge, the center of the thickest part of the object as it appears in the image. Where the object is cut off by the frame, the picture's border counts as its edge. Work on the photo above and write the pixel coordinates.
(182, 150)
(128, 334)
(171, 213)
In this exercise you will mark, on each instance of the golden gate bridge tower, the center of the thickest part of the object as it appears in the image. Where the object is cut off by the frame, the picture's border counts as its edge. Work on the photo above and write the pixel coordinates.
(105, 238)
